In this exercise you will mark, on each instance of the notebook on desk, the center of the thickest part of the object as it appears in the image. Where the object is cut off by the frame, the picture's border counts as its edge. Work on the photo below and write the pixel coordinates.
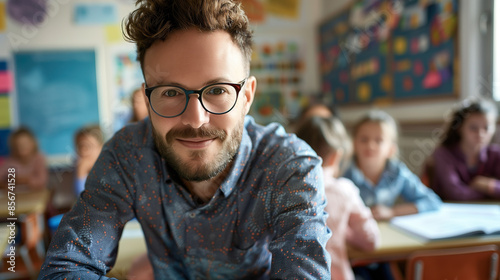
(451, 221)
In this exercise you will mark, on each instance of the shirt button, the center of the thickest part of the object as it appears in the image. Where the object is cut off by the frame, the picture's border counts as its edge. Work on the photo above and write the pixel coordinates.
(192, 214)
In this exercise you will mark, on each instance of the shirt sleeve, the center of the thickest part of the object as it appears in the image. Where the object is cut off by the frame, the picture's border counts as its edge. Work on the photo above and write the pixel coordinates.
(363, 231)
(416, 192)
(298, 201)
(85, 244)
(447, 179)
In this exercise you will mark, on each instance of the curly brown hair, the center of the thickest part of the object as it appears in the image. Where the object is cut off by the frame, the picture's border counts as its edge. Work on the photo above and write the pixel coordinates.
(155, 20)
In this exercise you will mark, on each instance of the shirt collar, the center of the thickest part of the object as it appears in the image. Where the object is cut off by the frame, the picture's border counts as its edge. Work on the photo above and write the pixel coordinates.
(239, 163)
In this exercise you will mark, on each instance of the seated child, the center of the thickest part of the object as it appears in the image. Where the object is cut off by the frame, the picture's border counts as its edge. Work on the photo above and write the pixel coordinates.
(349, 219)
(31, 171)
(88, 142)
(466, 164)
(381, 178)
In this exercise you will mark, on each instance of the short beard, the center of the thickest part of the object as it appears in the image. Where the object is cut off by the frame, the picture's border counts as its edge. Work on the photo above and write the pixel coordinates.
(204, 170)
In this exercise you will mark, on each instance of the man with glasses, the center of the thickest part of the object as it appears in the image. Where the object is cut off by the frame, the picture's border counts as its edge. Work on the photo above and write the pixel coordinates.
(217, 196)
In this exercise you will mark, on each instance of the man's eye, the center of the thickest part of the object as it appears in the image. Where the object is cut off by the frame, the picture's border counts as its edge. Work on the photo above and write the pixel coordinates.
(216, 91)
(171, 93)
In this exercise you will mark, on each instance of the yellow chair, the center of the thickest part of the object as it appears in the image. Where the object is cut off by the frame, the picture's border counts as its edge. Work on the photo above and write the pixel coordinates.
(470, 263)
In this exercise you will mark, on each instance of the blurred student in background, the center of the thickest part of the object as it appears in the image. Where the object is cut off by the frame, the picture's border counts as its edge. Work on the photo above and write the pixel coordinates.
(349, 219)
(88, 143)
(139, 106)
(381, 178)
(31, 171)
(466, 164)
(313, 109)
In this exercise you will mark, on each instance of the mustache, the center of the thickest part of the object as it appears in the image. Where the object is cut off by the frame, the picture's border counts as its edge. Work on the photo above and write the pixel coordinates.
(189, 132)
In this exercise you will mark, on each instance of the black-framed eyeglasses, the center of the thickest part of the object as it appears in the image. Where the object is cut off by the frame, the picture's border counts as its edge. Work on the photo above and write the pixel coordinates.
(171, 101)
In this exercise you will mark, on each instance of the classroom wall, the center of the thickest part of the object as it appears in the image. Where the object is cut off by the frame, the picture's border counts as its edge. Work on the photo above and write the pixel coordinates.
(59, 32)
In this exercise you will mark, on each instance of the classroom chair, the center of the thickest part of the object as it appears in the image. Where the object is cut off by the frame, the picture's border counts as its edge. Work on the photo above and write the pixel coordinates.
(30, 249)
(478, 262)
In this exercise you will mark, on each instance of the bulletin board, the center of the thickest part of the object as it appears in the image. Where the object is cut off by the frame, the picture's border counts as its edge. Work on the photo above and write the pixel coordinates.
(384, 51)
(56, 95)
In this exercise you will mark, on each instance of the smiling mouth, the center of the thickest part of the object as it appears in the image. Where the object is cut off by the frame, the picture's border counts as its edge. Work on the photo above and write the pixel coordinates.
(195, 143)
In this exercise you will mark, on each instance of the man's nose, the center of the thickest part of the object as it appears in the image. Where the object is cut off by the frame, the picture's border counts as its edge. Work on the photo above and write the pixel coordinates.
(195, 115)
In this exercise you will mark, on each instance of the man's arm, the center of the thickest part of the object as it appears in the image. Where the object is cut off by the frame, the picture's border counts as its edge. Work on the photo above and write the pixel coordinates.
(299, 220)
(86, 242)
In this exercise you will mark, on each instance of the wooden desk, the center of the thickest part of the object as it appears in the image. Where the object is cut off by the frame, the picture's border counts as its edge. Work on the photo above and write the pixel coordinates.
(26, 203)
(131, 246)
(4, 237)
(397, 245)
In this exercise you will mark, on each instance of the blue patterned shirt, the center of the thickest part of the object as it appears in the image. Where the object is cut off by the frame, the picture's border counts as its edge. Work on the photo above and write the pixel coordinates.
(266, 221)
(396, 181)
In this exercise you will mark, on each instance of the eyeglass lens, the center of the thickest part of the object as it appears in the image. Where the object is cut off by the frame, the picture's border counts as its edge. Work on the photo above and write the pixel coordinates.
(171, 101)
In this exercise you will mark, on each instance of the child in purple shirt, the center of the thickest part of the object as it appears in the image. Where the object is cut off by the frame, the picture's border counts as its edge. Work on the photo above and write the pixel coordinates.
(466, 164)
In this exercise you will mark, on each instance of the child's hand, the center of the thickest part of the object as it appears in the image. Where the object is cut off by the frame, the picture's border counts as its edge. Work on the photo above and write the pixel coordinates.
(382, 212)
(483, 184)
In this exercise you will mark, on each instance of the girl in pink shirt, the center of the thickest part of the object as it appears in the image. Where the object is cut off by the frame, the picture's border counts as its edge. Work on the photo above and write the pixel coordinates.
(30, 166)
(349, 219)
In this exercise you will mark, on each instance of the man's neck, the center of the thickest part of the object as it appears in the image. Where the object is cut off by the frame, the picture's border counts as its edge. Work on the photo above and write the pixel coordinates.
(205, 190)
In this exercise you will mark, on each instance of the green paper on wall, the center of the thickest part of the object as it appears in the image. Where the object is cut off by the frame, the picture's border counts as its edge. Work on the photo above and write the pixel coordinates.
(4, 112)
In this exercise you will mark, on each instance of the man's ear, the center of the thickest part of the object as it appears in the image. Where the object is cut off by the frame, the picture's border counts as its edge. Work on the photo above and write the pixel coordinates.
(143, 90)
(250, 86)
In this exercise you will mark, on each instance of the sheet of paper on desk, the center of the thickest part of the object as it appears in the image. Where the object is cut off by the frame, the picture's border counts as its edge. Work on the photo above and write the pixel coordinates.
(452, 220)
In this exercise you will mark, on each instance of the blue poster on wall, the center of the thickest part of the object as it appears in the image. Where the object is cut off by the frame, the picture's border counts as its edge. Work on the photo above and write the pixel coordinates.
(56, 95)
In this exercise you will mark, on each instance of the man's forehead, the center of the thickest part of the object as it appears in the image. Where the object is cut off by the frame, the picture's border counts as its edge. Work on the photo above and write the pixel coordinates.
(189, 53)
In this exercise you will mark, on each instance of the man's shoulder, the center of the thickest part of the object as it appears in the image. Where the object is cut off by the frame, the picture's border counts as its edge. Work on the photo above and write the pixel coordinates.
(132, 141)
(137, 134)
(272, 139)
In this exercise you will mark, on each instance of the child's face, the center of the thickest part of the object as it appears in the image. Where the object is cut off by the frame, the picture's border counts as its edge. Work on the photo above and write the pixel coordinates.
(24, 145)
(374, 143)
(88, 146)
(477, 130)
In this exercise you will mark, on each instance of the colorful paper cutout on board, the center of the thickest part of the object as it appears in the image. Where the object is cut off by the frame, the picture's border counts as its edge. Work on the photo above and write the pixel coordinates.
(5, 82)
(95, 14)
(4, 111)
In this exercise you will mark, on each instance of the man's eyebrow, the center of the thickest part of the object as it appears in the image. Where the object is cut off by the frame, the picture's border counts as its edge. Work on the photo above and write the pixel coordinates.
(209, 82)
